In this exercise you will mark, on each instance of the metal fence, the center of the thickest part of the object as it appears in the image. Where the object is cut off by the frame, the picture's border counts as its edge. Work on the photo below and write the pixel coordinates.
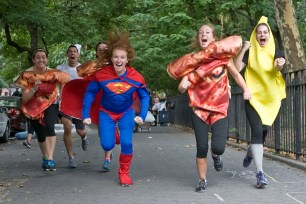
(287, 134)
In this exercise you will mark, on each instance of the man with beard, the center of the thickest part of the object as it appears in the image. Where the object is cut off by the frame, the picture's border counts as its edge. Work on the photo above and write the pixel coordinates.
(70, 68)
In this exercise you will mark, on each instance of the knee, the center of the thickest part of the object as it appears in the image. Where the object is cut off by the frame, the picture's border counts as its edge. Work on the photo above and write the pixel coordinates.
(41, 138)
(67, 127)
(218, 150)
(256, 137)
(107, 147)
(80, 132)
(202, 151)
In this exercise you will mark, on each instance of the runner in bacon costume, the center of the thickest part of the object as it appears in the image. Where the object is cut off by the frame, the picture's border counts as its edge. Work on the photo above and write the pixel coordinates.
(205, 76)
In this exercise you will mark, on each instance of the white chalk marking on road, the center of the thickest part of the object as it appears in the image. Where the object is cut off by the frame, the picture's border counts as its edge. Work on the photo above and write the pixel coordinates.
(294, 197)
(282, 181)
(242, 174)
(219, 197)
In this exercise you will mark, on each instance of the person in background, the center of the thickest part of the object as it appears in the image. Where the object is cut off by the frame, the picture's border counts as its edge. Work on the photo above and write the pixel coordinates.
(155, 108)
(205, 77)
(17, 93)
(27, 142)
(67, 121)
(263, 64)
(85, 71)
(40, 88)
(118, 81)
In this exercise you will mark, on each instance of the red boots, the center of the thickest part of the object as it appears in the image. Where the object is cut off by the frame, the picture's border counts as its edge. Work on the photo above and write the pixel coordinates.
(125, 162)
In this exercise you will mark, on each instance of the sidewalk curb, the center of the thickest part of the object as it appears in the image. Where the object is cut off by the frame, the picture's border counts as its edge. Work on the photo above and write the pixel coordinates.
(290, 162)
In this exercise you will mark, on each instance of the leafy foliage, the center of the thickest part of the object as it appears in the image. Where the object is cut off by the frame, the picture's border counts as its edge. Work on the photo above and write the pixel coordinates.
(160, 31)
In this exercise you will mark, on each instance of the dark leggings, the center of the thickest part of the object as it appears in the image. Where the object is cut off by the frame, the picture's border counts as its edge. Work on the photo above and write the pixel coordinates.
(50, 118)
(219, 135)
(258, 130)
(30, 127)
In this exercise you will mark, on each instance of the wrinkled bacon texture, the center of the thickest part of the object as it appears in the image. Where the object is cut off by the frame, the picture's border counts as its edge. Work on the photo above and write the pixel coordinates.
(207, 72)
(46, 93)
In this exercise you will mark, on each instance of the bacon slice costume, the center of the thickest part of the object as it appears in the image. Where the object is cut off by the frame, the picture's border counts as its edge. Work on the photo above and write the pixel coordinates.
(207, 72)
(46, 94)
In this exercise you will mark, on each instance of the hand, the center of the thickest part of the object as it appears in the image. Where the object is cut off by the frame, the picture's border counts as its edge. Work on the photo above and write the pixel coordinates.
(246, 45)
(184, 85)
(87, 121)
(247, 95)
(138, 120)
(279, 63)
(35, 86)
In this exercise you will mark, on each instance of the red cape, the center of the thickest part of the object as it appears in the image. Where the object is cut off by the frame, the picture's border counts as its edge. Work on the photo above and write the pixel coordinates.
(73, 92)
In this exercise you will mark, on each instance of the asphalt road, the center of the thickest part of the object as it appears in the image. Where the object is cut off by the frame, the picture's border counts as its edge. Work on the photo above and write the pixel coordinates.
(163, 171)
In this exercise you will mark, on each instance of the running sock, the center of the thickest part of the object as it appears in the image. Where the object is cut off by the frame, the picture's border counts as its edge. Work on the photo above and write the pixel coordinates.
(257, 152)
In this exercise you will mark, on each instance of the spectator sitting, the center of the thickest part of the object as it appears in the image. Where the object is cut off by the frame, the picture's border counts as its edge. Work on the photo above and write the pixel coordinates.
(17, 93)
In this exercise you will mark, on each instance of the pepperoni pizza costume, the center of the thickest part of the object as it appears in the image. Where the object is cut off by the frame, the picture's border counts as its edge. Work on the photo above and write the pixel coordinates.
(46, 94)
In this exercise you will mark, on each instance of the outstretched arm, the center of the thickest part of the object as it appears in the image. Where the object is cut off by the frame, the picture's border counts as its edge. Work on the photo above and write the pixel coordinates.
(238, 59)
(240, 81)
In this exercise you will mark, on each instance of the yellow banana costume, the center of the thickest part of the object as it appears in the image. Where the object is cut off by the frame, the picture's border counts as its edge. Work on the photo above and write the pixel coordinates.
(264, 81)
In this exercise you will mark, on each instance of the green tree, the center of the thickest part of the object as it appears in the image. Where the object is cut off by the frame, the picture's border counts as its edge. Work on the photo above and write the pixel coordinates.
(160, 31)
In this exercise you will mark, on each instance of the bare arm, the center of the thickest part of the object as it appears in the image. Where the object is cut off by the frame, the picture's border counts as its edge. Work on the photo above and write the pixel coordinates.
(27, 94)
(240, 81)
(238, 59)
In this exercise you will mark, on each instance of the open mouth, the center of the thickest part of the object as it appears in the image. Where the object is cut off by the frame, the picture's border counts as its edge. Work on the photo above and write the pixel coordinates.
(204, 40)
(262, 41)
(72, 58)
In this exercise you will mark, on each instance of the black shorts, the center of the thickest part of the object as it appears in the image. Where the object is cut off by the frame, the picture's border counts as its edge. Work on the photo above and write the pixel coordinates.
(50, 118)
(77, 122)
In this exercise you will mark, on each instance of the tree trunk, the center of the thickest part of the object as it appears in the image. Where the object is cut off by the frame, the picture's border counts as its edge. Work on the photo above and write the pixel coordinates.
(293, 47)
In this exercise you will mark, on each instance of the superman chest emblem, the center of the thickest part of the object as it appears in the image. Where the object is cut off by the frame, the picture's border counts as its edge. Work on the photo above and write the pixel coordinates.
(118, 87)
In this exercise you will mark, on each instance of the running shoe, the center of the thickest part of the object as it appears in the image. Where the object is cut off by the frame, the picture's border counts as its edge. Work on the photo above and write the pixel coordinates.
(248, 157)
(84, 143)
(44, 165)
(51, 165)
(71, 163)
(106, 165)
(27, 144)
(261, 180)
(218, 163)
(201, 186)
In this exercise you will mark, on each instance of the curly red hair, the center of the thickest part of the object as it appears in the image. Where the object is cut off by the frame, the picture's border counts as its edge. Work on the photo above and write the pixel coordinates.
(116, 40)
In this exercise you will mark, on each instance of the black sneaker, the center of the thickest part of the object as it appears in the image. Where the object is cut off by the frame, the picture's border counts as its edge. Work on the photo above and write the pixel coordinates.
(201, 186)
(218, 163)
(84, 143)
(27, 144)
(248, 157)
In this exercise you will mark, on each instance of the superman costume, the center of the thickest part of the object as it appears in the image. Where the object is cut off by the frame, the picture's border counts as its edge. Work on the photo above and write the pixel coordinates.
(116, 104)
